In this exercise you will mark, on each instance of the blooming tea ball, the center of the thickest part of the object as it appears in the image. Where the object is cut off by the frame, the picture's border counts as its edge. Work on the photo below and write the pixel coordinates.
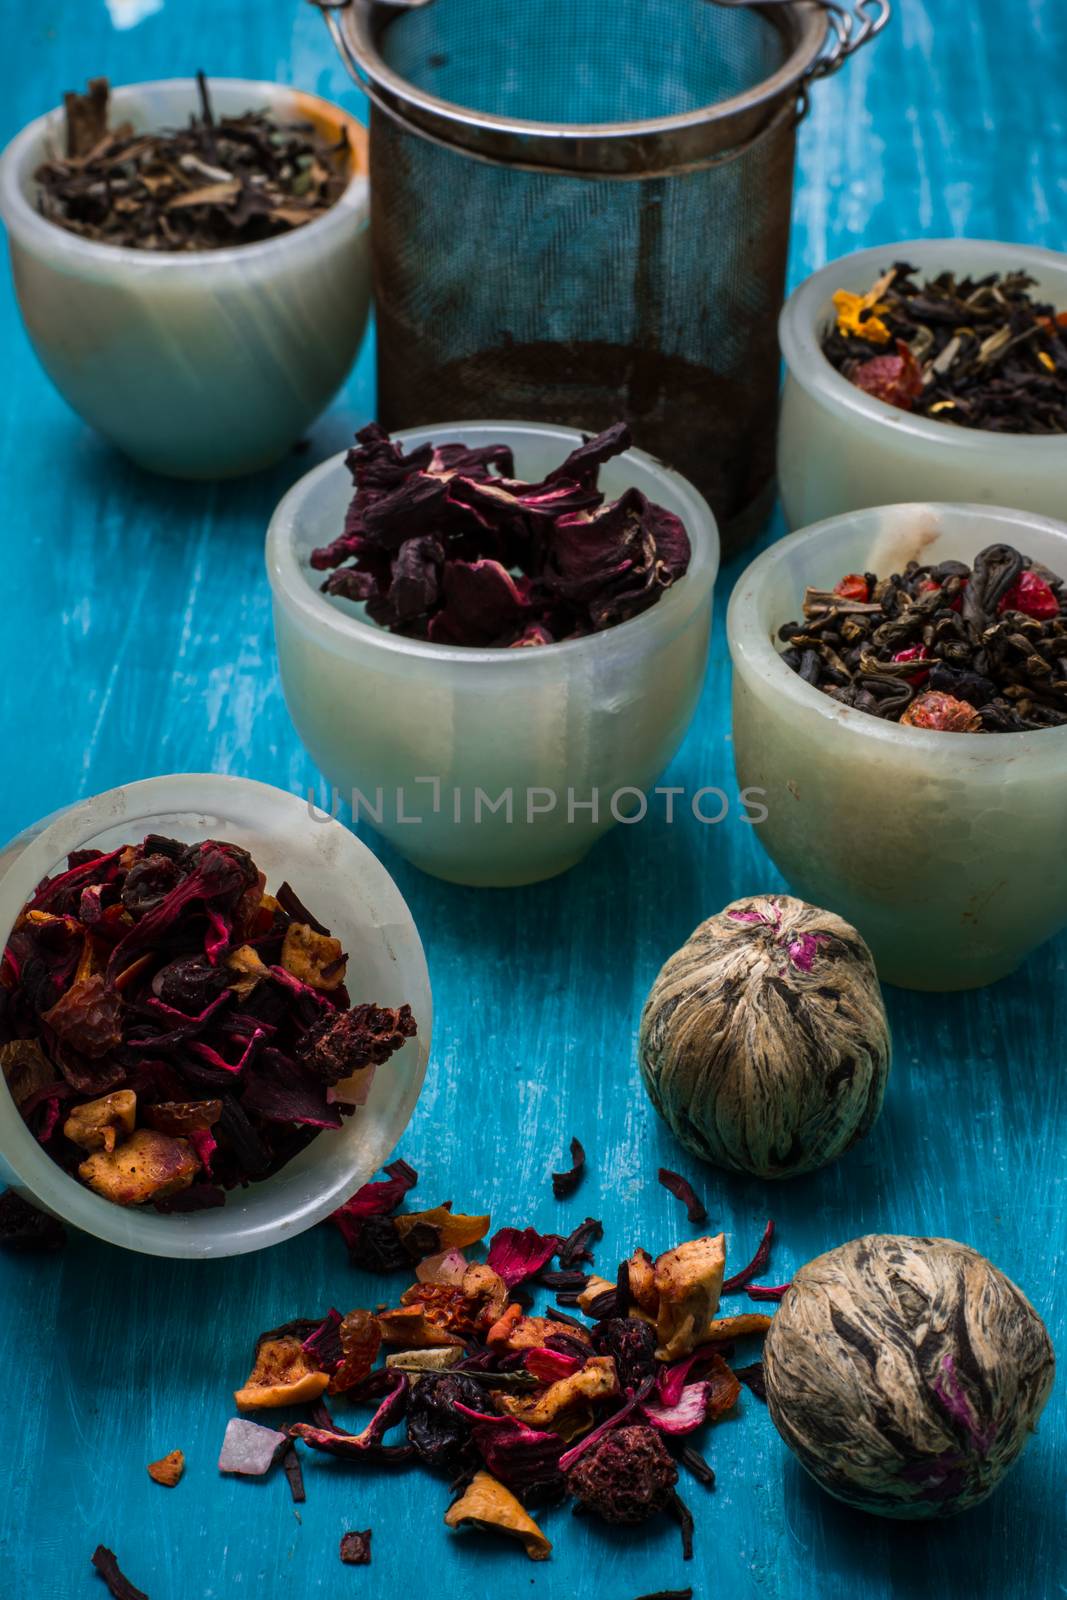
(764, 1041)
(906, 1374)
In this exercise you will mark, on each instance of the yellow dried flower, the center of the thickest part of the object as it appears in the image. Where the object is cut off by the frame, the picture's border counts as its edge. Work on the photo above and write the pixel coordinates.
(860, 315)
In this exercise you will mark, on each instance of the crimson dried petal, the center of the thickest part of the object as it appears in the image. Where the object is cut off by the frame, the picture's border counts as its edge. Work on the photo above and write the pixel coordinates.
(755, 1266)
(277, 1089)
(684, 1415)
(576, 1246)
(516, 1255)
(683, 1190)
(218, 873)
(414, 586)
(342, 1042)
(525, 1459)
(584, 463)
(766, 1291)
(353, 1446)
(106, 1564)
(565, 1183)
(483, 604)
(90, 867)
(376, 1200)
(895, 379)
(324, 1345)
(547, 1365)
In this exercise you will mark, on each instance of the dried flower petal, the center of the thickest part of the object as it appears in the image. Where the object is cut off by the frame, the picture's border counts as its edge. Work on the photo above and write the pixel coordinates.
(756, 1265)
(25, 1230)
(683, 1190)
(565, 1183)
(565, 1403)
(487, 1504)
(520, 1254)
(106, 1564)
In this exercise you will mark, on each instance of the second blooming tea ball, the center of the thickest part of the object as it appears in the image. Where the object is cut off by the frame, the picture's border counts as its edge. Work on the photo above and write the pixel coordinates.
(764, 1041)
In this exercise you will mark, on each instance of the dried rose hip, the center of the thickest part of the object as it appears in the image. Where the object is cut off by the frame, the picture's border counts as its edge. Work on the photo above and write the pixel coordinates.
(896, 379)
(942, 713)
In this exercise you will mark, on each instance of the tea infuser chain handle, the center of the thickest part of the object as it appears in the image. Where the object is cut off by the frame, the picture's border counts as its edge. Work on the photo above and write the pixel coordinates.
(852, 24)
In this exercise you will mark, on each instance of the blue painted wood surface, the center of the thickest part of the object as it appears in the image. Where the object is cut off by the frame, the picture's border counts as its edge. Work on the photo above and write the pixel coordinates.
(136, 639)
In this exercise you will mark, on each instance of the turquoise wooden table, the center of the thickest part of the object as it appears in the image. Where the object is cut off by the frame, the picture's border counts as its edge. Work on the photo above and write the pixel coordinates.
(136, 639)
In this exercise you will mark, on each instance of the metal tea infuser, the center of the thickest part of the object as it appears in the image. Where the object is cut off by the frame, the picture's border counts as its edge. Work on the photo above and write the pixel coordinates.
(627, 264)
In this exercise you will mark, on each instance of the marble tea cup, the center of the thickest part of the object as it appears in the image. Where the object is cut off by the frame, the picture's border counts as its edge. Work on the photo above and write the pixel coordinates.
(945, 850)
(197, 364)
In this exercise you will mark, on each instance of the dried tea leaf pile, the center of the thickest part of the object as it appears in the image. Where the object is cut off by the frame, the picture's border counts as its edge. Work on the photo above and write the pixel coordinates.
(446, 544)
(168, 1030)
(519, 1410)
(980, 649)
(221, 181)
(977, 352)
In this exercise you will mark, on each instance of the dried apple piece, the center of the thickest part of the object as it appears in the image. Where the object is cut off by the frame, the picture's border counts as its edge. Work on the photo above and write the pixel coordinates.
(315, 958)
(566, 1401)
(250, 971)
(97, 1124)
(168, 1469)
(688, 1281)
(283, 1374)
(487, 1504)
(146, 1166)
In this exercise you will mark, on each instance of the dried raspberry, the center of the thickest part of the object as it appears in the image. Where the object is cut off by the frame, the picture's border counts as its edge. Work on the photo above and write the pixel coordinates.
(943, 714)
(895, 379)
(1033, 597)
(627, 1477)
(915, 652)
(854, 587)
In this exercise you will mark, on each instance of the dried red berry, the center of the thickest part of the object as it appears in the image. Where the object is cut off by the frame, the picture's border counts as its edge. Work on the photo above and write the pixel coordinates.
(895, 379)
(915, 652)
(942, 713)
(854, 587)
(1033, 597)
(627, 1476)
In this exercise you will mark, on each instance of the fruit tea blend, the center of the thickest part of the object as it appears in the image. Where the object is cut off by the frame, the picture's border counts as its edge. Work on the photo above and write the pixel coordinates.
(168, 1030)
(978, 352)
(979, 649)
(218, 182)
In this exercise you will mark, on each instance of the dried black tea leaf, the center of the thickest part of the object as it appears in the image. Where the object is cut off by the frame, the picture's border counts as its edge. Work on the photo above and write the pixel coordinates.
(977, 352)
(219, 182)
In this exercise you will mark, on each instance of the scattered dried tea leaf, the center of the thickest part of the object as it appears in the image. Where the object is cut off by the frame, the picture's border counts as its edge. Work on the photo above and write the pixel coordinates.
(146, 1166)
(97, 1124)
(294, 1474)
(168, 1469)
(25, 1229)
(106, 1564)
(752, 1377)
(355, 1548)
(683, 1190)
(564, 1184)
(249, 1449)
(283, 1374)
(486, 1503)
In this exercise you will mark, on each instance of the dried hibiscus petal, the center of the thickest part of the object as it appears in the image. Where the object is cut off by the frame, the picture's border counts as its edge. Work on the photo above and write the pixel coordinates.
(520, 1254)
(683, 1190)
(523, 1458)
(106, 1564)
(565, 1183)
(755, 1266)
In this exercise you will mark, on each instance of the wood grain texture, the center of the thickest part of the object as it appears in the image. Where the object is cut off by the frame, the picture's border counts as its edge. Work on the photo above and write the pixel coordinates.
(136, 639)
